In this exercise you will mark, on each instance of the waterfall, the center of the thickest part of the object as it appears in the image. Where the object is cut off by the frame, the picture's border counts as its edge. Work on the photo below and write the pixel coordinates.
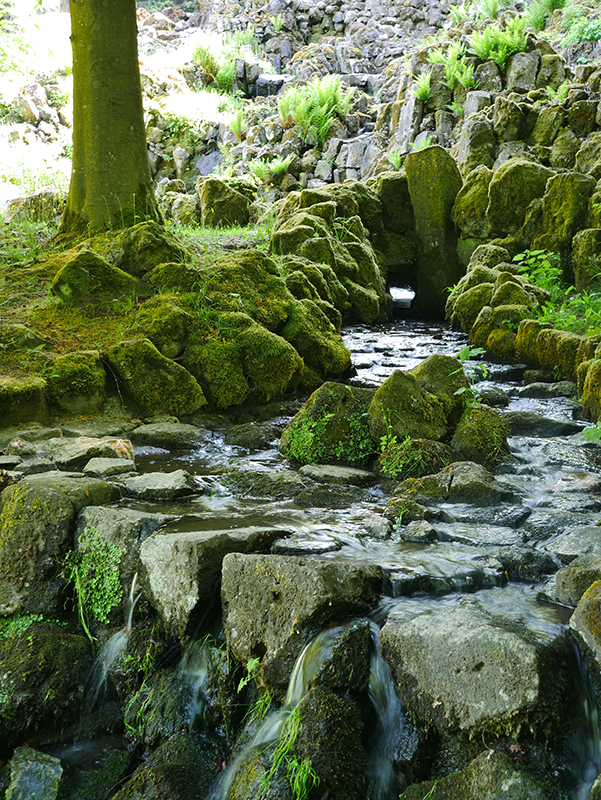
(382, 692)
(111, 651)
(194, 667)
(588, 744)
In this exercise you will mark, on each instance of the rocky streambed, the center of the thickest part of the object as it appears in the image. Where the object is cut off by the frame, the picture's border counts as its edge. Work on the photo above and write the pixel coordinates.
(447, 662)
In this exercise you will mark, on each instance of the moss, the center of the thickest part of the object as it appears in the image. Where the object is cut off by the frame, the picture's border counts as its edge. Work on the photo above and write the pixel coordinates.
(469, 303)
(469, 211)
(88, 277)
(513, 186)
(591, 392)
(315, 339)
(526, 341)
(512, 293)
(176, 277)
(76, 383)
(155, 383)
(397, 212)
(331, 428)
(500, 343)
(480, 436)
(443, 376)
(271, 364)
(413, 458)
(300, 286)
(365, 304)
(402, 408)
(165, 321)
(221, 205)
(557, 351)
(217, 365)
(22, 400)
(140, 248)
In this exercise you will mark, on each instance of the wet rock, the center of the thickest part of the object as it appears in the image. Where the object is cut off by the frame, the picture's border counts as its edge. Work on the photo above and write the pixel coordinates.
(333, 474)
(36, 466)
(347, 665)
(478, 534)
(10, 462)
(33, 774)
(162, 485)
(493, 396)
(324, 495)
(526, 565)
(109, 466)
(573, 580)
(168, 435)
(529, 423)
(413, 458)
(460, 669)
(273, 601)
(256, 480)
(543, 523)
(329, 736)
(332, 427)
(41, 687)
(582, 540)
(74, 454)
(544, 390)
(418, 531)
(182, 570)
(584, 622)
(180, 769)
(507, 516)
(491, 774)
(254, 435)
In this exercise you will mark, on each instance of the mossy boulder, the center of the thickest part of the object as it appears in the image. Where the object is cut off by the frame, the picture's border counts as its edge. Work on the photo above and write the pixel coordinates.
(548, 124)
(352, 198)
(221, 205)
(271, 365)
(444, 377)
(401, 408)
(41, 682)
(585, 623)
(588, 157)
(468, 304)
(434, 182)
(330, 736)
(573, 580)
(491, 774)
(88, 277)
(15, 336)
(315, 339)
(557, 351)
(22, 400)
(397, 212)
(513, 187)
(154, 383)
(413, 458)
(217, 366)
(332, 427)
(526, 341)
(480, 436)
(76, 383)
(469, 209)
(565, 206)
(564, 150)
(137, 250)
(164, 320)
(591, 391)
(174, 276)
(586, 259)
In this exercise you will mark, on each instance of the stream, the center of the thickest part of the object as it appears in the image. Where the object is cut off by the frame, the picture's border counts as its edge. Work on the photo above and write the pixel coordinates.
(556, 478)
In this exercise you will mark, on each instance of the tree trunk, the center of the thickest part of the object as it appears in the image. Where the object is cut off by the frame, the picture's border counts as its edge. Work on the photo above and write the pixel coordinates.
(111, 186)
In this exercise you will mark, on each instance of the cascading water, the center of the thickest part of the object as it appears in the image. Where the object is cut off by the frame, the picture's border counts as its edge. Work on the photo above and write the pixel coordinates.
(113, 650)
(588, 745)
(382, 693)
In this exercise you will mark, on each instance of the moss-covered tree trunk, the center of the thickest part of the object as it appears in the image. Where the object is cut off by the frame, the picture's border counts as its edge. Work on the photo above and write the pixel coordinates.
(111, 185)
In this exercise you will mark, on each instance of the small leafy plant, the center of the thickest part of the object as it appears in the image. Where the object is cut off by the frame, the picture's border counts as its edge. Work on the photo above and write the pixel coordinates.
(496, 44)
(423, 89)
(300, 774)
(465, 355)
(93, 569)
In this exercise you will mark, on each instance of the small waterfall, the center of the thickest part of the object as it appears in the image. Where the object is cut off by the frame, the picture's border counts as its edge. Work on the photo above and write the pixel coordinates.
(588, 745)
(194, 667)
(108, 655)
(389, 729)
(382, 693)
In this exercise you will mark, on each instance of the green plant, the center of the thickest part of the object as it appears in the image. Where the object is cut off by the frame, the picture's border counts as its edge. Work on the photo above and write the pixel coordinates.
(457, 108)
(238, 124)
(250, 673)
(558, 95)
(280, 165)
(459, 13)
(93, 569)
(488, 8)
(225, 77)
(260, 169)
(584, 30)
(313, 108)
(542, 268)
(425, 142)
(300, 774)
(465, 355)
(278, 22)
(497, 44)
(422, 87)
(11, 626)
(400, 458)
(396, 158)
(206, 58)
(593, 434)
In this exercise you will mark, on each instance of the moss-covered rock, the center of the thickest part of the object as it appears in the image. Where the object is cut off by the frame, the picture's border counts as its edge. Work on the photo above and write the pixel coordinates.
(165, 321)
(22, 400)
(330, 736)
(155, 383)
(75, 383)
(480, 436)
(591, 391)
(588, 157)
(315, 339)
(492, 774)
(88, 277)
(401, 408)
(573, 580)
(547, 125)
(272, 365)
(221, 205)
(444, 377)
(217, 366)
(15, 336)
(174, 276)
(586, 259)
(564, 150)
(513, 187)
(413, 458)
(139, 249)
(352, 198)
(397, 212)
(42, 685)
(467, 305)
(434, 182)
(585, 623)
(331, 428)
(469, 210)
(557, 351)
